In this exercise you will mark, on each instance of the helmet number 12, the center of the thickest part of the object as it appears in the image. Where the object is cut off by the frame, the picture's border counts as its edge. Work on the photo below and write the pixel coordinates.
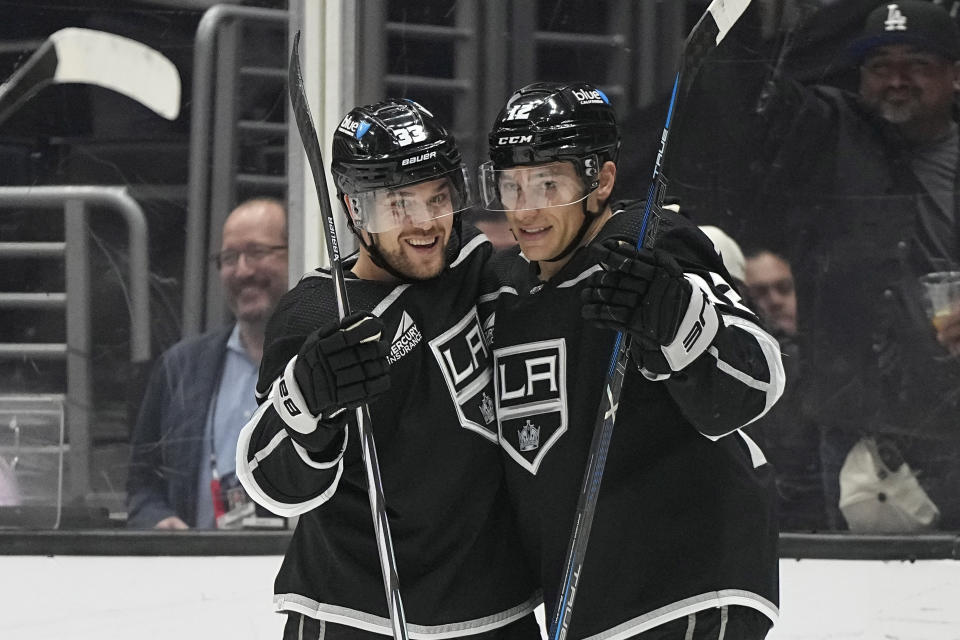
(409, 135)
(520, 111)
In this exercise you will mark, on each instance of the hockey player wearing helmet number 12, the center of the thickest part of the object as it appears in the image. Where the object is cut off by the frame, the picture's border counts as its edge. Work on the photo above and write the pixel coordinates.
(684, 535)
(413, 350)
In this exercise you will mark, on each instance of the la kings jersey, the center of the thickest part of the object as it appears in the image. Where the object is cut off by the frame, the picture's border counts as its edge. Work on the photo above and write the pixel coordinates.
(686, 518)
(458, 559)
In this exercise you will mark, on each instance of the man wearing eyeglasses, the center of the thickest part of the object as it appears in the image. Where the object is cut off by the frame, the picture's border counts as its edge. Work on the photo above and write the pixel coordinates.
(201, 393)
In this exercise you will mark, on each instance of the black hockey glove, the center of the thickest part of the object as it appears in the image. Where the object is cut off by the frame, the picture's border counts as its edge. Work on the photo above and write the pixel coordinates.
(340, 366)
(343, 365)
(644, 293)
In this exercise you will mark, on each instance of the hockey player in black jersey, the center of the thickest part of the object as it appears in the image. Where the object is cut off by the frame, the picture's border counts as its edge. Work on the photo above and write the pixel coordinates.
(684, 537)
(414, 351)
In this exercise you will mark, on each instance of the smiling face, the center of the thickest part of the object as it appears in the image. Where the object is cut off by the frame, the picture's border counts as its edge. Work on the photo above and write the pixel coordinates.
(909, 86)
(544, 206)
(417, 247)
(255, 277)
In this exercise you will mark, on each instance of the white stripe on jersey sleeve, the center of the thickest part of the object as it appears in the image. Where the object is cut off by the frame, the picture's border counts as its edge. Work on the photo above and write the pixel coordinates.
(756, 453)
(389, 299)
(245, 469)
(469, 248)
(771, 352)
(266, 451)
(730, 296)
(492, 297)
(585, 274)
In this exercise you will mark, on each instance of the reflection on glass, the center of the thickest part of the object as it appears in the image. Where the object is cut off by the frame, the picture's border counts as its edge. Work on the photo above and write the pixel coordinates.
(838, 186)
(31, 460)
(847, 173)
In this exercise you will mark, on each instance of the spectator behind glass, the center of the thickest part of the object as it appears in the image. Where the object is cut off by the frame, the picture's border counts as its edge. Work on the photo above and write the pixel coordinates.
(201, 392)
(769, 281)
(860, 189)
(789, 438)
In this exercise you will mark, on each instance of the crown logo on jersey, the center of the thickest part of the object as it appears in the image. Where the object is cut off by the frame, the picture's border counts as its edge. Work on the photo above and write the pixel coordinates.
(529, 436)
(486, 408)
(895, 21)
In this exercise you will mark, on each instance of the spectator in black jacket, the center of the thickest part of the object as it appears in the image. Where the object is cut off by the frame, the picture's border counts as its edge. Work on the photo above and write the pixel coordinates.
(861, 189)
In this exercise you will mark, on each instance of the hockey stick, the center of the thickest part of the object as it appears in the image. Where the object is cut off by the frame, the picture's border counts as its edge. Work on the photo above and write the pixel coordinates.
(311, 145)
(719, 17)
(107, 60)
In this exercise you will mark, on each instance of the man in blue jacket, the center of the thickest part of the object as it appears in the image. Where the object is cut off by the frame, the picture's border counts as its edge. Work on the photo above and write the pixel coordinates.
(201, 392)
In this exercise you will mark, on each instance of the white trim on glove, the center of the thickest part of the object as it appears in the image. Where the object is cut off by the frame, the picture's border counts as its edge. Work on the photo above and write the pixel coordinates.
(289, 403)
(697, 329)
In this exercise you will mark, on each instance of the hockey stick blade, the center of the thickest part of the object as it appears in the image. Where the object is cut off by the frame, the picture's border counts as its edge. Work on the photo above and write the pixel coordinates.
(85, 56)
(705, 36)
(378, 510)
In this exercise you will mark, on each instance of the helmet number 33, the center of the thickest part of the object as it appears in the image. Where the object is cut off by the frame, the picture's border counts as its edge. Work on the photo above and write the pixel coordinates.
(409, 135)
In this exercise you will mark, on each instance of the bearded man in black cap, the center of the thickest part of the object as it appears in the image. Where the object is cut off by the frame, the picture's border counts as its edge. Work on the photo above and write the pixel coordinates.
(864, 185)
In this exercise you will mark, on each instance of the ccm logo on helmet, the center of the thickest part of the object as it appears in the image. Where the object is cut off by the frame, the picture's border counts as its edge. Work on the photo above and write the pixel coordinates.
(514, 139)
(420, 158)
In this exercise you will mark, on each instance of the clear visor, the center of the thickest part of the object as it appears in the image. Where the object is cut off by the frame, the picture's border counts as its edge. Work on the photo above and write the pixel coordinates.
(521, 188)
(384, 209)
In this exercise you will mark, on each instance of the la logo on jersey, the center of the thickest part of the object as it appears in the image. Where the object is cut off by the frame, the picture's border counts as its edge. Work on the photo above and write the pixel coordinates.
(895, 21)
(405, 339)
(466, 363)
(531, 388)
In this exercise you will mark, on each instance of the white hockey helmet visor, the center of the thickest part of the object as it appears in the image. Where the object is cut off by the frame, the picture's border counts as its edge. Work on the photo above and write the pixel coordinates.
(386, 208)
(526, 187)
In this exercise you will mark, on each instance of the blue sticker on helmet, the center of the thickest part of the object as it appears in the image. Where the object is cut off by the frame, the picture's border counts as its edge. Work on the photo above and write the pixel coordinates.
(604, 96)
(362, 129)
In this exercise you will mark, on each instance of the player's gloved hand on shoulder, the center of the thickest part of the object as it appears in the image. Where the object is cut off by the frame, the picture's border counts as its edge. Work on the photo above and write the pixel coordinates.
(645, 294)
(340, 366)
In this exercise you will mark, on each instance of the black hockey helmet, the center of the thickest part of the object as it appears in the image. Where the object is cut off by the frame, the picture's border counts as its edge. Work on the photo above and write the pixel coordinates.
(553, 121)
(549, 122)
(380, 147)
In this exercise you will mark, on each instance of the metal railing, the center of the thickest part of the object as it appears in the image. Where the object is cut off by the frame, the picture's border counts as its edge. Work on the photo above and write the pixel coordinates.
(463, 40)
(214, 130)
(496, 47)
(75, 300)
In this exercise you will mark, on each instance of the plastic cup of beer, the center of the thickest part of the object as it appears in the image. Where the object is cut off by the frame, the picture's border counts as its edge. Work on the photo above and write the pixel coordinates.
(942, 296)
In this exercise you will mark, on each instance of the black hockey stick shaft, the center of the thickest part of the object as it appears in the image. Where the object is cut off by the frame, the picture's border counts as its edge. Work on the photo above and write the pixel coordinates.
(705, 36)
(311, 145)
